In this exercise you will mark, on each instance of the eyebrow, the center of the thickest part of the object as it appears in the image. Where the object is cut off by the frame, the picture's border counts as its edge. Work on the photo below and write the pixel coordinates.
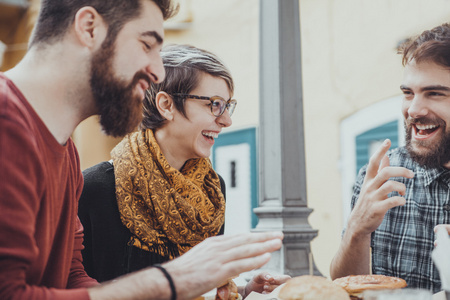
(429, 88)
(154, 34)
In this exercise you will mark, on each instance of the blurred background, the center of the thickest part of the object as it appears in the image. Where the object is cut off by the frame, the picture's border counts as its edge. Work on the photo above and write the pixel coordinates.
(351, 96)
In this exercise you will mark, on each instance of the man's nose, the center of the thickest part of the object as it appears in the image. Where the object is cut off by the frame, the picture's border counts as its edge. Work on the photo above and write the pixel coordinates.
(418, 107)
(155, 69)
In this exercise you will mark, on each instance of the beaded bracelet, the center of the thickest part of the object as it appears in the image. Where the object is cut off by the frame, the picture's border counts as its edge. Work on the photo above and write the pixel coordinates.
(169, 279)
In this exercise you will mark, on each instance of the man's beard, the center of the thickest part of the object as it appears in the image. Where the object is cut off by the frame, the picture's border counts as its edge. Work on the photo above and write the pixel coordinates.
(119, 108)
(437, 154)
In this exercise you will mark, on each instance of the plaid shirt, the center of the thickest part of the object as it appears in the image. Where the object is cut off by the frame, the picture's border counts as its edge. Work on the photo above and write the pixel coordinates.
(402, 244)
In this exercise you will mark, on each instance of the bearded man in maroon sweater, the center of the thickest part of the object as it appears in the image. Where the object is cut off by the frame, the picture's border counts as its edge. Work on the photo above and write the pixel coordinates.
(87, 57)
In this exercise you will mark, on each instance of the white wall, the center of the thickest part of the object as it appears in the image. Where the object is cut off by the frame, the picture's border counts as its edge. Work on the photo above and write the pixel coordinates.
(238, 212)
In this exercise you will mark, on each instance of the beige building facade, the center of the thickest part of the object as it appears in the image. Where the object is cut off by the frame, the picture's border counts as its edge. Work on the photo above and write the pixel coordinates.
(349, 66)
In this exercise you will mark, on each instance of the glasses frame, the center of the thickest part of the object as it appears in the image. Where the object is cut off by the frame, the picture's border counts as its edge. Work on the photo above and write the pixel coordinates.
(230, 103)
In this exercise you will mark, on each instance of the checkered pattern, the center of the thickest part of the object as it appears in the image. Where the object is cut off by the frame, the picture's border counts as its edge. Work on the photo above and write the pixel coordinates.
(402, 245)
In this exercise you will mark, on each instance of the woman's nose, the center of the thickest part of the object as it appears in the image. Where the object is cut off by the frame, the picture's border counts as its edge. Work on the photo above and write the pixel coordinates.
(224, 120)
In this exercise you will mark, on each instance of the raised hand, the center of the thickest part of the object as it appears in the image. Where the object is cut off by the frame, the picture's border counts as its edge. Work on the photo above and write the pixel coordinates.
(373, 202)
(353, 256)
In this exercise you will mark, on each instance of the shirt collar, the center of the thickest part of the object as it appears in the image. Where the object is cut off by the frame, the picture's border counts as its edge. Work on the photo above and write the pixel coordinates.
(431, 175)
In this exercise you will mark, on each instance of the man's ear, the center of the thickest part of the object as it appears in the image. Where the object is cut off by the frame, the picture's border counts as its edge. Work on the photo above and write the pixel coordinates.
(89, 26)
(165, 105)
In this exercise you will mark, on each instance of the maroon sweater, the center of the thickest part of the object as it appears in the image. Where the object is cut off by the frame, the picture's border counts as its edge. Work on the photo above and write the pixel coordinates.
(40, 183)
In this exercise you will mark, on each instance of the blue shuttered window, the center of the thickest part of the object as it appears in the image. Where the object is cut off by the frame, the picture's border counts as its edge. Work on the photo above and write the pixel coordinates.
(368, 141)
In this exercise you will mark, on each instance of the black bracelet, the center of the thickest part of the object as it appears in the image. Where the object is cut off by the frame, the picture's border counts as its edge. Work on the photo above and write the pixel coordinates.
(169, 279)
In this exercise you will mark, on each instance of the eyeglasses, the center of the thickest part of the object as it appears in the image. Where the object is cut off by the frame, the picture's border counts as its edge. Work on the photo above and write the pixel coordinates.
(218, 104)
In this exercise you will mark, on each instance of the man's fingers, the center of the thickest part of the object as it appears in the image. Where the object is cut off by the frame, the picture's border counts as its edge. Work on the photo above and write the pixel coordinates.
(248, 257)
(376, 158)
(389, 187)
(236, 267)
(250, 250)
(391, 203)
(222, 257)
(384, 163)
(237, 240)
(389, 172)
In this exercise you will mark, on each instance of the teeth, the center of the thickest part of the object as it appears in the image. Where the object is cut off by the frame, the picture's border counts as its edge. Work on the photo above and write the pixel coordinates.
(425, 127)
(211, 134)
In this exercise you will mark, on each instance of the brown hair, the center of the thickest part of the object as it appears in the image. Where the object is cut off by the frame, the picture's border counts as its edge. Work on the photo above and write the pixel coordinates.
(183, 65)
(432, 45)
(56, 16)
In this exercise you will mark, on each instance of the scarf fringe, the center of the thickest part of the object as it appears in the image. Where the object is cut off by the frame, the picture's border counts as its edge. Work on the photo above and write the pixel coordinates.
(163, 248)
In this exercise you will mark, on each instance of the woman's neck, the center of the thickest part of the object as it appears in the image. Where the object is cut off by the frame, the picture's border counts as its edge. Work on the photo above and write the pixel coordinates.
(170, 151)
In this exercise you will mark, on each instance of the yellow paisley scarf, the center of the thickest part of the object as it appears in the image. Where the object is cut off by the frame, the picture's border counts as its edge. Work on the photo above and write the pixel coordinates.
(160, 205)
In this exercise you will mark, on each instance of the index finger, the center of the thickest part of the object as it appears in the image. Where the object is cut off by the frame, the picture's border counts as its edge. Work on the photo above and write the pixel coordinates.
(376, 159)
(251, 249)
(237, 240)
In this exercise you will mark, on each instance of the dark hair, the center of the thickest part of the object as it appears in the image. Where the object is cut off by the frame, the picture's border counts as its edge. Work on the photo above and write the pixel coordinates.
(432, 45)
(183, 65)
(56, 16)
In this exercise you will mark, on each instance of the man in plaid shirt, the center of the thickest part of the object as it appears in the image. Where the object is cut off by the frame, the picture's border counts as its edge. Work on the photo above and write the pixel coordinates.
(402, 195)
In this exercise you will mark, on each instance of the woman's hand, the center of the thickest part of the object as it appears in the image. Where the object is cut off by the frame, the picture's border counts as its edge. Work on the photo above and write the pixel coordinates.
(264, 283)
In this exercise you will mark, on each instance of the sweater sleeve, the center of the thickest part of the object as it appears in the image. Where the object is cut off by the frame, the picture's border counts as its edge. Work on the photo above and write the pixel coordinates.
(19, 206)
(78, 277)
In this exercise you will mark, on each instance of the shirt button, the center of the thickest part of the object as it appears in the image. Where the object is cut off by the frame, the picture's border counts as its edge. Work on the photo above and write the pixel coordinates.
(447, 207)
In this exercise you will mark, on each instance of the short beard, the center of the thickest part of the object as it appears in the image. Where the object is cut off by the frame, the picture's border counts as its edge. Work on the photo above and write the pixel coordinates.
(119, 109)
(438, 154)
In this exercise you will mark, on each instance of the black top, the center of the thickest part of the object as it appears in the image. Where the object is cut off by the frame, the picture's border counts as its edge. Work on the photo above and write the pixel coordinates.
(107, 254)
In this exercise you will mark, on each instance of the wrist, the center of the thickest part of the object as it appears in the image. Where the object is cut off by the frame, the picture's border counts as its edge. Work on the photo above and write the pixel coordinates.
(153, 278)
(356, 237)
(354, 231)
(173, 290)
